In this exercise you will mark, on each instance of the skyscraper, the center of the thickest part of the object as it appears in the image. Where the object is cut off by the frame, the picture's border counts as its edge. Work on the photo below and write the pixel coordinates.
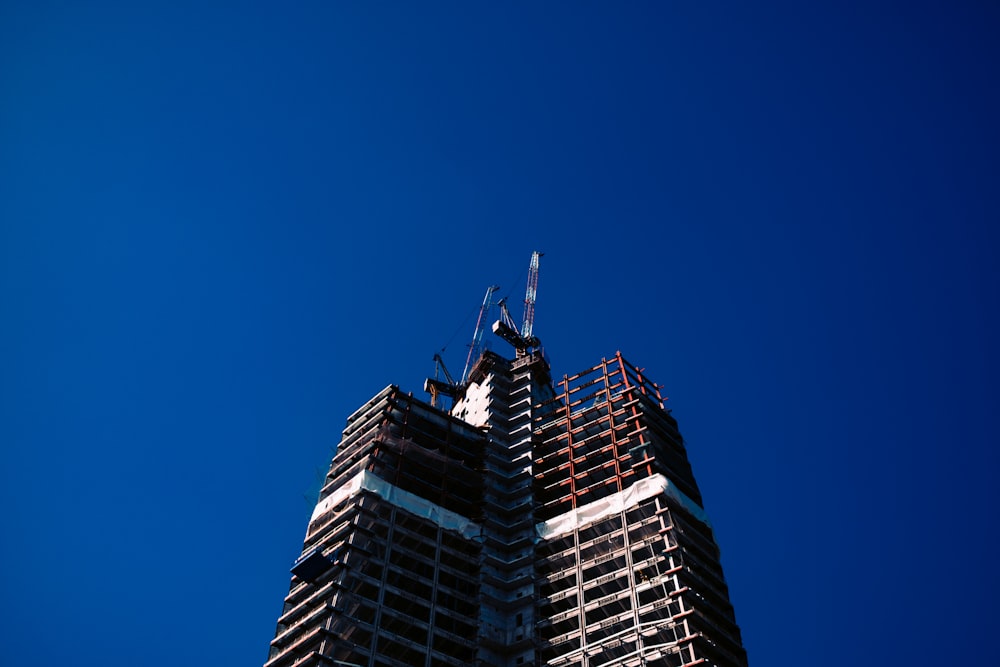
(532, 524)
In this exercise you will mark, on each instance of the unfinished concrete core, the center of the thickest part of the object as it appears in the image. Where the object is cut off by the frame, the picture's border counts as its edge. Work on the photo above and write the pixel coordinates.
(533, 525)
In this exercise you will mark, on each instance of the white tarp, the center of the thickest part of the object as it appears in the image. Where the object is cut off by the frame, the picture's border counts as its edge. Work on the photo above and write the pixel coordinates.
(412, 503)
(340, 495)
(615, 503)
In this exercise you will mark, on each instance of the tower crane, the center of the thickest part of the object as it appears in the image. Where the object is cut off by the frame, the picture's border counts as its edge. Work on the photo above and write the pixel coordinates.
(505, 327)
(477, 337)
(505, 314)
(449, 387)
(435, 387)
(529, 296)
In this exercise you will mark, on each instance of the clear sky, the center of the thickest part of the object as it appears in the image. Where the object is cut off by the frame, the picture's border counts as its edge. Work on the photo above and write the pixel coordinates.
(224, 226)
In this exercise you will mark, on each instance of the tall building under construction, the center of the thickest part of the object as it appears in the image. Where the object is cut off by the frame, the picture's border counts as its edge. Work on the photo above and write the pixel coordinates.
(532, 523)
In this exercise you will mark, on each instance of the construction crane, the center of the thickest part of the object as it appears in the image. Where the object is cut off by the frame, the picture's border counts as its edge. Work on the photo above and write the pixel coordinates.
(505, 315)
(530, 295)
(477, 338)
(505, 327)
(449, 387)
(435, 387)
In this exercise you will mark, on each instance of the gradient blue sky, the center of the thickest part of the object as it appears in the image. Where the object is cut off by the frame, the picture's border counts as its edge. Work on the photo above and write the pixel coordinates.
(224, 226)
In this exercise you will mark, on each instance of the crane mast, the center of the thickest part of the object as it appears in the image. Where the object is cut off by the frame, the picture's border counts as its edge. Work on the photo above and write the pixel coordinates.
(505, 327)
(529, 296)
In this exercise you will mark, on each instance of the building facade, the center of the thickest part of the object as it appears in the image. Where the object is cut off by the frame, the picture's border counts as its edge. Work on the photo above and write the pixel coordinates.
(535, 523)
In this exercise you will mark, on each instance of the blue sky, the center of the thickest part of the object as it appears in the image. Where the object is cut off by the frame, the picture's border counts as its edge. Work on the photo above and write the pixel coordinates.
(224, 227)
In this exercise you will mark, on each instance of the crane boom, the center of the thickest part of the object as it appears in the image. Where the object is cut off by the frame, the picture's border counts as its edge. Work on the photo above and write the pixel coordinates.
(435, 387)
(477, 338)
(439, 365)
(505, 314)
(529, 296)
(505, 327)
